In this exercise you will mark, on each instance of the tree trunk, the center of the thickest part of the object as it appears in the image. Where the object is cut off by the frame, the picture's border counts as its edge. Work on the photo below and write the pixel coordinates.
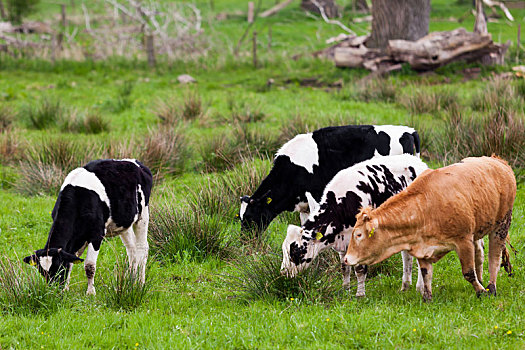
(398, 19)
(329, 7)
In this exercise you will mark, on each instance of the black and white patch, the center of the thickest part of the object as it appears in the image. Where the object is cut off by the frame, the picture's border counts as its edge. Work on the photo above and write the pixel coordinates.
(105, 197)
(309, 161)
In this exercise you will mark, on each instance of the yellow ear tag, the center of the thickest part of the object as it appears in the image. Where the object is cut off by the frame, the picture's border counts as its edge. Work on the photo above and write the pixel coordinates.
(371, 232)
(268, 200)
(318, 236)
(32, 263)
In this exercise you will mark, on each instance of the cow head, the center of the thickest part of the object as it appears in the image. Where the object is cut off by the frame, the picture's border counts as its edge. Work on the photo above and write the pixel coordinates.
(362, 247)
(299, 250)
(52, 263)
(256, 213)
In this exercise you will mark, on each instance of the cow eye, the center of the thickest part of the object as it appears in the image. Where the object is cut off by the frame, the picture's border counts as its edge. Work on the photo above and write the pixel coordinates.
(358, 235)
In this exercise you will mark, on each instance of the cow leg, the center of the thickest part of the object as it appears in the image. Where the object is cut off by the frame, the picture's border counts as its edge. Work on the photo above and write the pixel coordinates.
(129, 240)
(426, 269)
(142, 247)
(407, 270)
(345, 270)
(496, 246)
(68, 278)
(467, 259)
(90, 266)
(420, 285)
(360, 273)
(479, 256)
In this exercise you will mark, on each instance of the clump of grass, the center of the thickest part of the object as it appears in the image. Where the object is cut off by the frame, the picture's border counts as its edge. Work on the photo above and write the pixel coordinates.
(87, 123)
(219, 153)
(10, 148)
(500, 132)
(213, 198)
(164, 151)
(297, 125)
(496, 94)
(258, 276)
(171, 111)
(7, 116)
(24, 291)
(123, 290)
(255, 141)
(431, 102)
(242, 111)
(245, 177)
(44, 114)
(378, 89)
(520, 89)
(178, 233)
(123, 100)
(37, 178)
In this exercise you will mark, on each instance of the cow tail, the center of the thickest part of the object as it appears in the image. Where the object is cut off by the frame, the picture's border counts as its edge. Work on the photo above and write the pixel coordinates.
(417, 143)
(505, 259)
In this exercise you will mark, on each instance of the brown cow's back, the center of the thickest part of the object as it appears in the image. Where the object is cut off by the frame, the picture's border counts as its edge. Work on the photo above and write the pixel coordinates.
(463, 198)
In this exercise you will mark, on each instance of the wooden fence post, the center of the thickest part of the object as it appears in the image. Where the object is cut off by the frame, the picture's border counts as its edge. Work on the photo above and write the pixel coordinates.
(254, 49)
(251, 9)
(2, 10)
(63, 11)
(150, 49)
(518, 44)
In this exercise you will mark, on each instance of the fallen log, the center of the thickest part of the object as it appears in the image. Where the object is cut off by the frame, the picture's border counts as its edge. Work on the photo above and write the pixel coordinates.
(430, 52)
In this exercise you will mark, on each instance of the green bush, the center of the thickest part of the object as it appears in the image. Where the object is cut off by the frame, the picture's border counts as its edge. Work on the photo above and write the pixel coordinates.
(17, 9)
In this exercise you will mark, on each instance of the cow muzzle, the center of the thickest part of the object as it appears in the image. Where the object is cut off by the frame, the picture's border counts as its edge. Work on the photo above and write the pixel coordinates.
(350, 260)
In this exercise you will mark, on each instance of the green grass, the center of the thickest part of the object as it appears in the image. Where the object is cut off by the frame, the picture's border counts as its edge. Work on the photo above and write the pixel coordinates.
(149, 115)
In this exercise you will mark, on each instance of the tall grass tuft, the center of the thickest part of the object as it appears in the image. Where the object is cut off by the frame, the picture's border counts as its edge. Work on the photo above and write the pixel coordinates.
(431, 102)
(258, 276)
(24, 291)
(172, 111)
(123, 100)
(90, 122)
(498, 94)
(7, 116)
(37, 179)
(500, 132)
(123, 290)
(164, 151)
(178, 233)
(11, 149)
(219, 152)
(377, 89)
(44, 114)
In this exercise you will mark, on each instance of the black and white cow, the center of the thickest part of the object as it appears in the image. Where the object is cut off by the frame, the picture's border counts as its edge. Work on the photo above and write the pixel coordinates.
(308, 162)
(330, 224)
(102, 199)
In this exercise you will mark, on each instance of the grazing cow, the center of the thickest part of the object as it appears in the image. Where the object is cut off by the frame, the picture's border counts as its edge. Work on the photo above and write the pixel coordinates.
(104, 198)
(330, 225)
(442, 210)
(308, 162)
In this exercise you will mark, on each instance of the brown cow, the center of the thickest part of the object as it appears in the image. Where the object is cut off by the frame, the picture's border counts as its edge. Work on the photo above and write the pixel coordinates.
(442, 210)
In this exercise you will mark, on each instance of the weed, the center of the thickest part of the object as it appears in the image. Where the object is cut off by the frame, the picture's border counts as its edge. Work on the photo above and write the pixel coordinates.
(24, 291)
(193, 106)
(124, 290)
(258, 276)
(178, 232)
(43, 115)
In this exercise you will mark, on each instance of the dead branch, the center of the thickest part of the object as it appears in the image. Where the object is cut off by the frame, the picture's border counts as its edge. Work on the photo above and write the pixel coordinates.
(331, 21)
(272, 11)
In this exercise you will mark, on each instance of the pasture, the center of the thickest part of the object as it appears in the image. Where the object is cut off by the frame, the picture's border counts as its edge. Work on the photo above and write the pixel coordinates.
(208, 285)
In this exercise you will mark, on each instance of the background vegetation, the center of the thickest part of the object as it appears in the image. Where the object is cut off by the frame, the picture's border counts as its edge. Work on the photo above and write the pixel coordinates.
(210, 142)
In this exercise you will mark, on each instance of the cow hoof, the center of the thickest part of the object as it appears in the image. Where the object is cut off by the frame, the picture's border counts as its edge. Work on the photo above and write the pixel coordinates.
(491, 289)
(427, 297)
(346, 286)
(91, 292)
(479, 293)
(360, 295)
(405, 286)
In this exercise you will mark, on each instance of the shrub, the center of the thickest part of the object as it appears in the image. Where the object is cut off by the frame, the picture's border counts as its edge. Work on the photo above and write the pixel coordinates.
(43, 115)
(431, 102)
(24, 291)
(87, 123)
(7, 116)
(258, 276)
(123, 290)
(177, 233)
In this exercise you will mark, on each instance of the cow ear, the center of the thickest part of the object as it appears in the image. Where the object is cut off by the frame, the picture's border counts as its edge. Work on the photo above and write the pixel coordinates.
(70, 258)
(31, 260)
(366, 218)
(312, 204)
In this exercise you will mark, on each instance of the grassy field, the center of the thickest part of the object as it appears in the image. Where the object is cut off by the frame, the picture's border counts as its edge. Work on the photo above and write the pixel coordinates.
(210, 143)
